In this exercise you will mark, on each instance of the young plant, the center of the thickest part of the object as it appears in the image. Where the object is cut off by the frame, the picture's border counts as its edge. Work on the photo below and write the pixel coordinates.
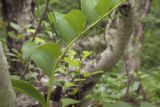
(70, 27)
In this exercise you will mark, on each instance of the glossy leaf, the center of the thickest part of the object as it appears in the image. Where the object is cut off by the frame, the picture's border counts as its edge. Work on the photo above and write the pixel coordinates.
(88, 7)
(42, 60)
(69, 25)
(68, 101)
(76, 19)
(103, 6)
(52, 49)
(45, 56)
(28, 89)
(86, 54)
(94, 9)
(64, 29)
(27, 50)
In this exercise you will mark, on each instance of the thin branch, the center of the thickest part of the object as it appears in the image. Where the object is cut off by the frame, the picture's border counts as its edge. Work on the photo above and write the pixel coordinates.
(25, 71)
(128, 77)
(34, 36)
(41, 20)
(70, 44)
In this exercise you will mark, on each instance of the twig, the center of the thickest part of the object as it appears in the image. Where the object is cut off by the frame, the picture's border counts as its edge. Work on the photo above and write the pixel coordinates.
(25, 71)
(128, 76)
(141, 89)
(51, 81)
(34, 36)
(42, 18)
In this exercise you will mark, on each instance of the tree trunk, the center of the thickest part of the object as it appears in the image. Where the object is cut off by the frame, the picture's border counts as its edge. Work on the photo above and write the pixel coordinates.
(132, 57)
(140, 8)
(110, 55)
(21, 13)
(7, 95)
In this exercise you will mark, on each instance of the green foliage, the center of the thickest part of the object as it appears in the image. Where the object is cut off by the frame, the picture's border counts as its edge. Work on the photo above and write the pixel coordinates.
(103, 7)
(86, 54)
(146, 104)
(63, 28)
(69, 25)
(27, 50)
(119, 104)
(28, 89)
(44, 61)
(72, 62)
(44, 55)
(68, 101)
(94, 9)
(77, 20)
(88, 7)
(123, 104)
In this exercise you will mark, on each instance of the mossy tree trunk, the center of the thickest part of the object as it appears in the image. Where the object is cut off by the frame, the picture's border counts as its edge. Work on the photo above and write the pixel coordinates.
(132, 56)
(7, 95)
(21, 13)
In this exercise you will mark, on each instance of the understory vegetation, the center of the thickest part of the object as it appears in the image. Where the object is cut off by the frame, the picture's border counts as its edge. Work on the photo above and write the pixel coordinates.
(56, 59)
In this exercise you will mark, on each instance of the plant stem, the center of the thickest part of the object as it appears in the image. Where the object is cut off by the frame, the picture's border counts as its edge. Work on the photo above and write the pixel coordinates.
(51, 81)
(81, 34)
(25, 71)
(41, 20)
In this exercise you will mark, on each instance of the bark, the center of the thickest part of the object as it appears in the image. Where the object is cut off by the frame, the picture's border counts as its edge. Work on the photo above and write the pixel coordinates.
(116, 47)
(107, 60)
(110, 55)
(8, 98)
(115, 50)
(21, 13)
(132, 57)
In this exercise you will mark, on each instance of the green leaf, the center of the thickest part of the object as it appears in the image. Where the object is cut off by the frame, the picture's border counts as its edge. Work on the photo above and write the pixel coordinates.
(67, 85)
(103, 6)
(69, 25)
(51, 17)
(118, 104)
(94, 9)
(28, 89)
(72, 62)
(12, 34)
(42, 60)
(86, 54)
(115, 2)
(27, 50)
(52, 49)
(68, 101)
(63, 28)
(88, 7)
(15, 26)
(146, 104)
(76, 19)
(45, 56)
